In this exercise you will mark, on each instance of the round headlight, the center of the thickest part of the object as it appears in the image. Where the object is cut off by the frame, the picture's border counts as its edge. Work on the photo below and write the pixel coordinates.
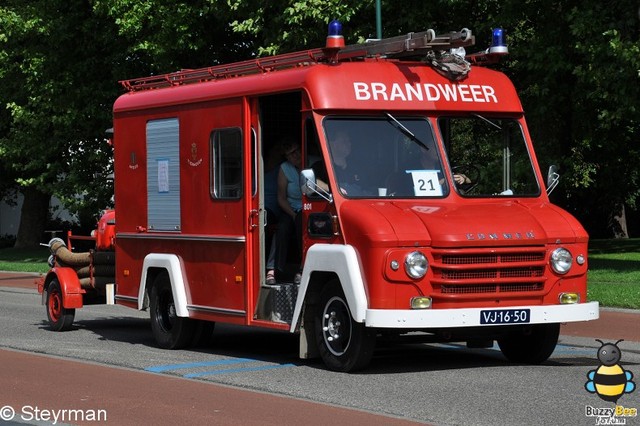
(415, 264)
(561, 260)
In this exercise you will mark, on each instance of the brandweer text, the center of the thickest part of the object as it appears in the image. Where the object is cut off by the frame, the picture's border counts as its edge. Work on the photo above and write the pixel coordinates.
(424, 92)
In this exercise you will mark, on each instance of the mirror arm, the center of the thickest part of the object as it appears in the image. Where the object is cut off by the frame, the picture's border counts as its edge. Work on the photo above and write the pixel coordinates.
(318, 190)
(308, 184)
(553, 178)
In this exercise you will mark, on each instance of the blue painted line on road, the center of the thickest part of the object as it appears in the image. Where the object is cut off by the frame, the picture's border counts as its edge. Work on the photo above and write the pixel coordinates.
(236, 370)
(161, 368)
(572, 349)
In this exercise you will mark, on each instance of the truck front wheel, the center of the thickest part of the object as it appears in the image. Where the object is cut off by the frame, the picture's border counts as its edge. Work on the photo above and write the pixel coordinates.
(531, 346)
(169, 330)
(344, 344)
(60, 318)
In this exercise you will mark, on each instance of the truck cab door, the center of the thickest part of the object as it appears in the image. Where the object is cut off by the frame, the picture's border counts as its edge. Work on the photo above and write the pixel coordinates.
(255, 267)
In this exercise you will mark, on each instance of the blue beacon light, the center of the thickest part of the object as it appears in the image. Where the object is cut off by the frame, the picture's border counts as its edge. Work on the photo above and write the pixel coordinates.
(335, 40)
(498, 42)
(335, 28)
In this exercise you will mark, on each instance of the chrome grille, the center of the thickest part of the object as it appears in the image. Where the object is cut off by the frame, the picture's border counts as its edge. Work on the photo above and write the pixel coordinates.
(493, 273)
(463, 259)
(505, 270)
(502, 288)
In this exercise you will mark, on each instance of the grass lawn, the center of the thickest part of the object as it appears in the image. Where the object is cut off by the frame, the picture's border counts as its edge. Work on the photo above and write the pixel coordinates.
(614, 273)
(24, 260)
(614, 269)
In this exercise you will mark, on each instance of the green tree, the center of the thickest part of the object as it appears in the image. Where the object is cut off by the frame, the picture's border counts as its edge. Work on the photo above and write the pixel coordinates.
(577, 67)
(165, 35)
(607, 125)
(56, 91)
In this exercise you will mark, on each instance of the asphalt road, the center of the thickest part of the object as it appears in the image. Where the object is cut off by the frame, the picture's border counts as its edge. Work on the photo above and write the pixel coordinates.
(248, 376)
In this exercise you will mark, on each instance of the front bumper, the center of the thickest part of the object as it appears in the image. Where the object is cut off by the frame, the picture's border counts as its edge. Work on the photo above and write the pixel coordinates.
(470, 317)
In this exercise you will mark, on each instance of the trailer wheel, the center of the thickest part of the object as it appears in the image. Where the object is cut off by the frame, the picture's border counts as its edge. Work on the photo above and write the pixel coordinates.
(169, 330)
(60, 318)
(344, 344)
(533, 346)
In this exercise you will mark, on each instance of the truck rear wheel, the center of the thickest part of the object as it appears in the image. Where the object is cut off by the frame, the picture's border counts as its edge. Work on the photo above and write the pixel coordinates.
(344, 344)
(532, 346)
(169, 330)
(60, 318)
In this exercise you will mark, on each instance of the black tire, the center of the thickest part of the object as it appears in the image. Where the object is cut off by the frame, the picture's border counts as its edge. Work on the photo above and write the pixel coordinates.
(344, 344)
(60, 318)
(531, 346)
(169, 330)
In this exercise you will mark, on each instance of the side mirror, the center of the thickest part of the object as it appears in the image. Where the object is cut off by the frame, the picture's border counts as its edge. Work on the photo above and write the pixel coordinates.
(552, 178)
(308, 185)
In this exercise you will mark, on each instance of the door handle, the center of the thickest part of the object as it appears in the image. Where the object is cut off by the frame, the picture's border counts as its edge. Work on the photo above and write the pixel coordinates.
(254, 219)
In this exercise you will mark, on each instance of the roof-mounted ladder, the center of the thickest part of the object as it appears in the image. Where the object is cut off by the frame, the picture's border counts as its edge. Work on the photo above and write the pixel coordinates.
(405, 46)
(409, 45)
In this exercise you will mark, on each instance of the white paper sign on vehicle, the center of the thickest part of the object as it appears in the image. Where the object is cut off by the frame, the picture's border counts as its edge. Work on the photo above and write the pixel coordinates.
(426, 183)
(163, 176)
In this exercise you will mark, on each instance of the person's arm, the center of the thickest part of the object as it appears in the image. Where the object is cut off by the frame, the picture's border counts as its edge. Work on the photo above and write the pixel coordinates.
(322, 185)
(282, 195)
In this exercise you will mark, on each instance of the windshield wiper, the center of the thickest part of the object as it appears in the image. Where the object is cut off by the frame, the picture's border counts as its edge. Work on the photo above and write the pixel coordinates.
(488, 121)
(406, 131)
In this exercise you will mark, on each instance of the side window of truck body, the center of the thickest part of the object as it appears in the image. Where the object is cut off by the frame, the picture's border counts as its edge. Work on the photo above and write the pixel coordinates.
(227, 165)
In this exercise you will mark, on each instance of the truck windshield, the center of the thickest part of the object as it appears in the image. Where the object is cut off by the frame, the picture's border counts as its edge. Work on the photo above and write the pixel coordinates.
(492, 155)
(393, 156)
(385, 156)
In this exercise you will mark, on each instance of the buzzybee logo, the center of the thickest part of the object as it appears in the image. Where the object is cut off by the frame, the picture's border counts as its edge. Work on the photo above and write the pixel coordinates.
(610, 381)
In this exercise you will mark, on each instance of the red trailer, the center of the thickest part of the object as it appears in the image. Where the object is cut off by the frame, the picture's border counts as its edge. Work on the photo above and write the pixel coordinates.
(435, 225)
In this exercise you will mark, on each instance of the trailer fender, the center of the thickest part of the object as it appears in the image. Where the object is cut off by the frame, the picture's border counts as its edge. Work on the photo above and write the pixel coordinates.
(343, 261)
(69, 286)
(173, 265)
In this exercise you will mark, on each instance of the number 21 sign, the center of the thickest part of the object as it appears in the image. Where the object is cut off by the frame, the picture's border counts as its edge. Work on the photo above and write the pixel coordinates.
(426, 183)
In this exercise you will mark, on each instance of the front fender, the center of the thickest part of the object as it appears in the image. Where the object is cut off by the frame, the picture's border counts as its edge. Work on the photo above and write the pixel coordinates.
(343, 261)
(69, 286)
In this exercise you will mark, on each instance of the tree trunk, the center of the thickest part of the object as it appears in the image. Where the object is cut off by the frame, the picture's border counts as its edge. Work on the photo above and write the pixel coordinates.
(619, 222)
(33, 218)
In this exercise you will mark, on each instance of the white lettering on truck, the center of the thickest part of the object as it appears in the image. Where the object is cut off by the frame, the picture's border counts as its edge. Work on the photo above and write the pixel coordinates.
(424, 92)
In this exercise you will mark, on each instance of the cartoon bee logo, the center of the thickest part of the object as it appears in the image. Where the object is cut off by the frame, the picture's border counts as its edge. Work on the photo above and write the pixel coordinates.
(609, 380)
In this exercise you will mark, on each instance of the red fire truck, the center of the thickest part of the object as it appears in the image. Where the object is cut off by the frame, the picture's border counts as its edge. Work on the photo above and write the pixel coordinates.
(424, 211)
